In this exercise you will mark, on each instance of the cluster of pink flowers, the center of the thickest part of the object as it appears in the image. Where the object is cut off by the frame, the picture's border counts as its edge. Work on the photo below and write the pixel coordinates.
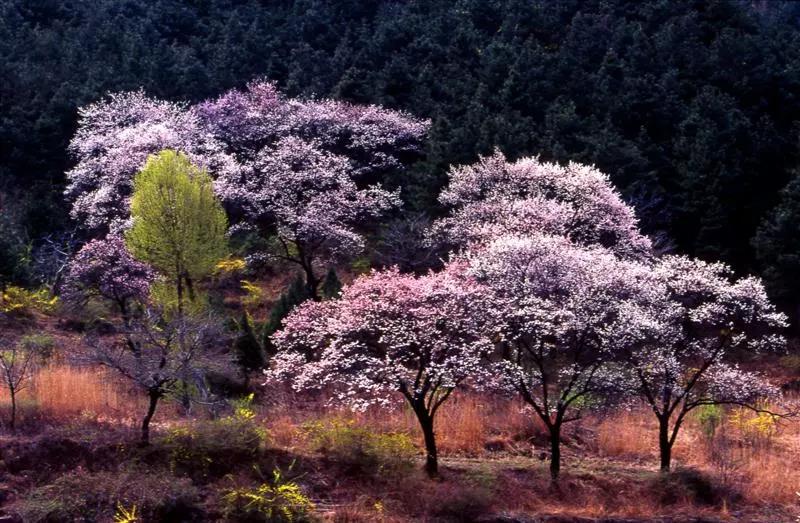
(106, 268)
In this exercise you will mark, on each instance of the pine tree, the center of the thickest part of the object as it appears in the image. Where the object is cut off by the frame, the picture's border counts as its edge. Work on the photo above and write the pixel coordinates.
(249, 353)
(296, 294)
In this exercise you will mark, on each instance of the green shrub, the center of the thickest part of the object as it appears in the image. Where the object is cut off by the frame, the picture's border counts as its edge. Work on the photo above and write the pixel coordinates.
(360, 449)
(87, 496)
(710, 417)
(43, 345)
(275, 501)
(213, 448)
(17, 300)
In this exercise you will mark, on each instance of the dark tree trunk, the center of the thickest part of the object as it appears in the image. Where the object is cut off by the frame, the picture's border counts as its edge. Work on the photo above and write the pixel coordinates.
(664, 444)
(431, 455)
(13, 395)
(555, 451)
(312, 282)
(151, 409)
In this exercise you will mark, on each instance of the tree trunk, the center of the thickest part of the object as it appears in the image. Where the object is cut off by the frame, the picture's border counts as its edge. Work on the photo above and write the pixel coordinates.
(555, 451)
(151, 409)
(431, 457)
(664, 445)
(311, 282)
(13, 395)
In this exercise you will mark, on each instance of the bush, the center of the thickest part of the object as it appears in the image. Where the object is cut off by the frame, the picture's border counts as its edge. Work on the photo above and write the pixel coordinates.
(360, 449)
(274, 501)
(86, 496)
(16, 300)
(43, 345)
(213, 448)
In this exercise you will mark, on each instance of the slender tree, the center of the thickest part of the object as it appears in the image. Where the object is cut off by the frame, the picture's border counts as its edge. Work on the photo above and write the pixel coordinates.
(688, 362)
(17, 364)
(564, 312)
(179, 226)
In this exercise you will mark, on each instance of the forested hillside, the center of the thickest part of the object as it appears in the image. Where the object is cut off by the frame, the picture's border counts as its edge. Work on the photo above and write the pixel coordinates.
(685, 104)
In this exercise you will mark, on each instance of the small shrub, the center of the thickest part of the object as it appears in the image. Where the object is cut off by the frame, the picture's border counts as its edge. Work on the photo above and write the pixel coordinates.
(86, 496)
(274, 501)
(360, 449)
(212, 448)
(710, 417)
(230, 265)
(253, 294)
(757, 428)
(16, 300)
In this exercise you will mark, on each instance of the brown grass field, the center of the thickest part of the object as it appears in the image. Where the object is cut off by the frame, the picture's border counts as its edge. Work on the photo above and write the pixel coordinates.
(492, 450)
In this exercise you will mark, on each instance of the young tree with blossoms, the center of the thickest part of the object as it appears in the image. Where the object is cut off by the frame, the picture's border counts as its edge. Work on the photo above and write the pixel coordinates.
(686, 362)
(565, 312)
(106, 269)
(495, 197)
(389, 333)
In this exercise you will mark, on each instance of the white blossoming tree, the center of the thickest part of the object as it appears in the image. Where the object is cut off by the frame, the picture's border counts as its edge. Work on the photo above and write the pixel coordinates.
(687, 362)
(494, 197)
(565, 312)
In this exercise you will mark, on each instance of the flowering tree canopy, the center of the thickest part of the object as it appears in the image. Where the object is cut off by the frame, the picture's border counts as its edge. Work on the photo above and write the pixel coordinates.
(495, 197)
(114, 138)
(105, 268)
(565, 312)
(687, 364)
(271, 158)
(372, 139)
(307, 199)
(388, 333)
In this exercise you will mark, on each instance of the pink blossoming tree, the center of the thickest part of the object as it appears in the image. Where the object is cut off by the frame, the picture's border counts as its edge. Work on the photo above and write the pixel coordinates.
(306, 200)
(115, 136)
(106, 269)
(390, 333)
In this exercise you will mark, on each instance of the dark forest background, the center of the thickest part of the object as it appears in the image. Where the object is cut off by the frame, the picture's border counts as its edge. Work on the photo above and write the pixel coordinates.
(692, 107)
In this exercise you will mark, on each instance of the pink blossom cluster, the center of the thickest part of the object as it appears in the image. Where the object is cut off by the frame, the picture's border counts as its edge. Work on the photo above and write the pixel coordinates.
(259, 146)
(389, 332)
(106, 268)
(114, 138)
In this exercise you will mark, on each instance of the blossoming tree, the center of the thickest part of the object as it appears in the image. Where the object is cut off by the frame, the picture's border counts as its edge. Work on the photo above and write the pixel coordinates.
(115, 136)
(271, 157)
(305, 198)
(494, 197)
(106, 269)
(390, 333)
(565, 312)
(687, 362)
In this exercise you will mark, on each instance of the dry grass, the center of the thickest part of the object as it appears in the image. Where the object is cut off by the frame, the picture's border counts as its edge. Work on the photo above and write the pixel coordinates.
(59, 392)
(498, 439)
